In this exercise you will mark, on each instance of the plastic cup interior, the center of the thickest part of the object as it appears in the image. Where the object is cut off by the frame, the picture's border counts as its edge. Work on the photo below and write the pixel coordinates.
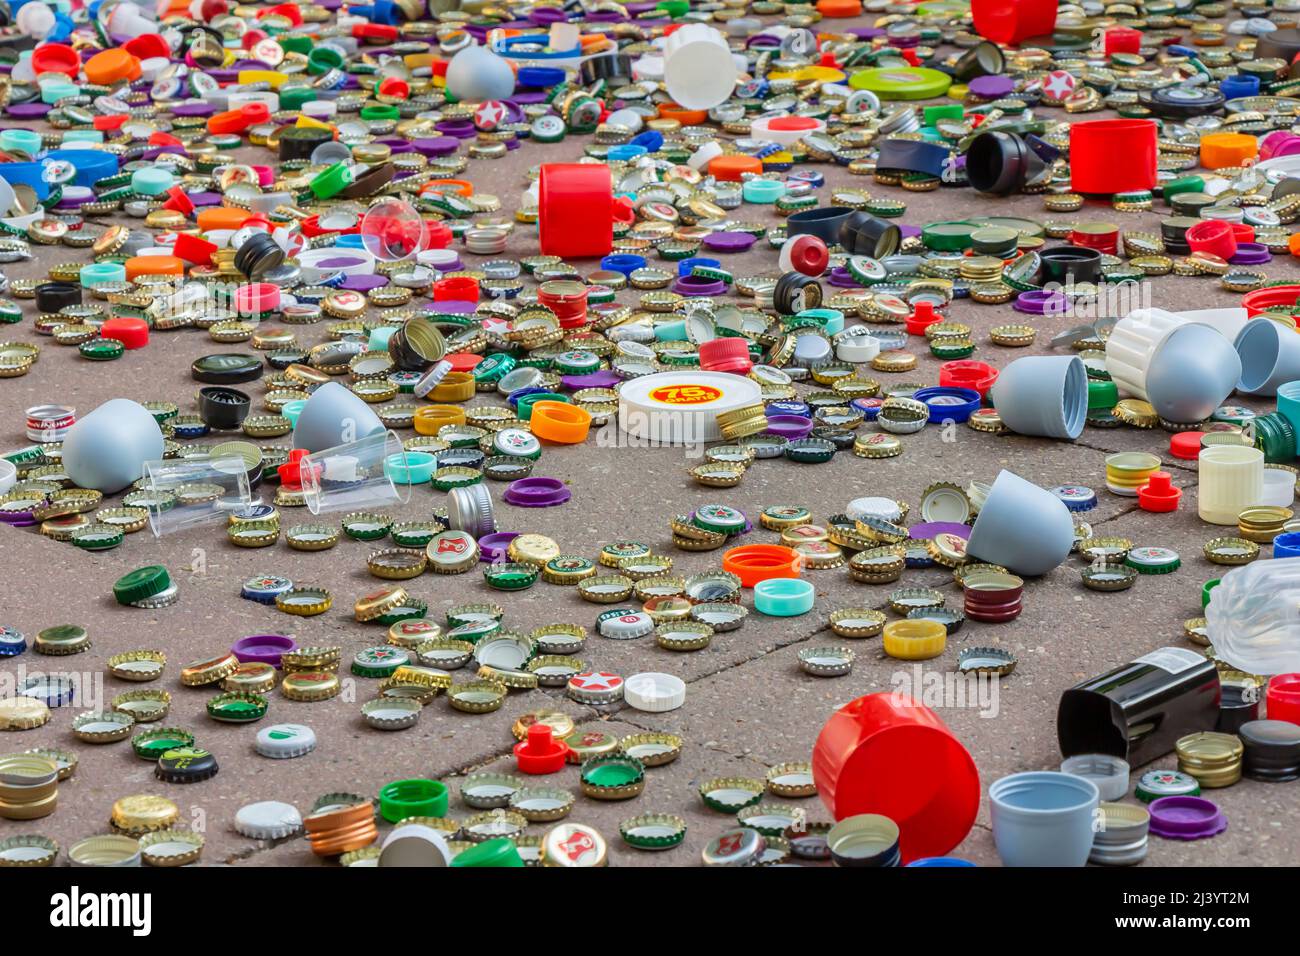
(194, 491)
(354, 477)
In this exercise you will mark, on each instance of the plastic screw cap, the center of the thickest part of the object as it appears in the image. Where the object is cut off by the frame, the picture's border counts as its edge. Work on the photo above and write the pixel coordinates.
(541, 752)
(922, 318)
(132, 333)
(654, 692)
(1159, 493)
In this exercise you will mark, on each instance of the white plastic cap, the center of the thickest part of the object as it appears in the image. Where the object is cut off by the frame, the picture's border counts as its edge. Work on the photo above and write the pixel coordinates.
(700, 159)
(654, 692)
(415, 845)
(35, 20)
(699, 70)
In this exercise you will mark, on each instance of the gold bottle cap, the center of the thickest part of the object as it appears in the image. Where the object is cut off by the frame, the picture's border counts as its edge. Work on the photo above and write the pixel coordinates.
(143, 812)
(171, 847)
(203, 672)
(378, 603)
(310, 685)
(23, 713)
(250, 677)
(535, 549)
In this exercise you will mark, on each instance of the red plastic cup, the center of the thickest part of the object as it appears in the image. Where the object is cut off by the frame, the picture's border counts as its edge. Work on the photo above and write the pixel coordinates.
(730, 354)
(576, 210)
(1113, 156)
(968, 373)
(1011, 21)
(1282, 699)
(884, 753)
(1213, 236)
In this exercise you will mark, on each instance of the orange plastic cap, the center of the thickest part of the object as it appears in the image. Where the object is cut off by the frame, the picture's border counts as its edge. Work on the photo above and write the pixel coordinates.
(730, 168)
(560, 422)
(154, 266)
(1220, 150)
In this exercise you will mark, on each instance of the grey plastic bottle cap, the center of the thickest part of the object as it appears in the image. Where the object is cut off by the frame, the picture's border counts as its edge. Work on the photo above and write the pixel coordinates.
(329, 153)
(282, 741)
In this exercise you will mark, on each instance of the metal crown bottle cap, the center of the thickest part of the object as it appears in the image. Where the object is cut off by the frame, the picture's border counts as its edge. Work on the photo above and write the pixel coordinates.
(268, 820)
(282, 741)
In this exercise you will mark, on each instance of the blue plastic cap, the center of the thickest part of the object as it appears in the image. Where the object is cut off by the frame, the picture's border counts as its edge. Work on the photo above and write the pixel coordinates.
(63, 27)
(540, 76)
(650, 140)
(685, 266)
(1235, 87)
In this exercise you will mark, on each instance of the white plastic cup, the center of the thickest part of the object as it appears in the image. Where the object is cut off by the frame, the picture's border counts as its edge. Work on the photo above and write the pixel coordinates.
(187, 492)
(1270, 356)
(1230, 479)
(355, 476)
(699, 70)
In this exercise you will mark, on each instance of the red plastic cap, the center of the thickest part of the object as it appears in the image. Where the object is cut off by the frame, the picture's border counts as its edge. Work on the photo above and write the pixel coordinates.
(884, 753)
(455, 289)
(1159, 493)
(148, 45)
(1283, 698)
(56, 58)
(1213, 236)
(132, 333)
(808, 255)
(1011, 21)
(730, 354)
(179, 200)
(541, 752)
(462, 361)
(1122, 40)
(1186, 445)
(968, 373)
(922, 318)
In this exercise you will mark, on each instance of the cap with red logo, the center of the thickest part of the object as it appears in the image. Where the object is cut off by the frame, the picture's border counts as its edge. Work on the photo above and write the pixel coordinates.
(452, 552)
(574, 844)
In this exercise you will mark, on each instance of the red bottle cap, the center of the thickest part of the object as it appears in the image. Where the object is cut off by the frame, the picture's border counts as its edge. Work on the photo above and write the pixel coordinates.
(193, 249)
(1159, 493)
(114, 122)
(1186, 445)
(132, 333)
(729, 354)
(1113, 156)
(541, 752)
(178, 200)
(1213, 236)
(455, 289)
(1122, 40)
(147, 46)
(462, 361)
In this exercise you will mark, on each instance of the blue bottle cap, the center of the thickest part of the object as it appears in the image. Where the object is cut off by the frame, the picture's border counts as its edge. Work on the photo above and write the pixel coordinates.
(264, 588)
(1076, 497)
(12, 642)
(53, 690)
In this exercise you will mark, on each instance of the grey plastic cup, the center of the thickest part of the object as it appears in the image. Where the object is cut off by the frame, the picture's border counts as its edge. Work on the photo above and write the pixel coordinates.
(107, 449)
(1191, 373)
(334, 416)
(1270, 356)
(1044, 395)
(1043, 818)
(1022, 527)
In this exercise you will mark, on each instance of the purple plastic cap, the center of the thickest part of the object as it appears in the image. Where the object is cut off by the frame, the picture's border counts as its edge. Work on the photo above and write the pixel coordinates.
(492, 547)
(1186, 818)
(602, 379)
(991, 87)
(729, 241)
(537, 493)
(792, 427)
(263, 648)
(929, 529)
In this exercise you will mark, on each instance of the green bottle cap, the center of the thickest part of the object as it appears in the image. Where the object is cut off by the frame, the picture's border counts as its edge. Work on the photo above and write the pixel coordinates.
(237, 708)
(498, 852)
(141, 583)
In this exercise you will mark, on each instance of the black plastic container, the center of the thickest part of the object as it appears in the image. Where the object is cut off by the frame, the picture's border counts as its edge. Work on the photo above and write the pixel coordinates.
(1139, 710)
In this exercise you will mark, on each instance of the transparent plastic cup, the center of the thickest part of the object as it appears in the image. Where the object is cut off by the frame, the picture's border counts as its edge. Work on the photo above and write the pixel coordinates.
(186, 492)
(355, 477)
(393, 230)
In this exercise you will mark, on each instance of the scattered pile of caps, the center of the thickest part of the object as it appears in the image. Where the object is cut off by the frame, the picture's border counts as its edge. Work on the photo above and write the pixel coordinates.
(705, 129)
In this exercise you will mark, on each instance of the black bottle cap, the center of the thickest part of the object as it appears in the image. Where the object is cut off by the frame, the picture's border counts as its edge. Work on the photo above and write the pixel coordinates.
(281, 359)
(1000, 163)
(52, 296)
(1236, 707)
(983, 59)
(1077, 262)
(461, 458)
(186, 765)
(863, 234)
(1271, 750)
(1190, 204)
(259, 253)
(795, 292)
(226, 368)
(824, 223)
(223, 408)
(299, 142)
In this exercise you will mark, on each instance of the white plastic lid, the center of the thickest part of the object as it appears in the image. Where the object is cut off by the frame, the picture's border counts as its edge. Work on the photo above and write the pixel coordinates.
(654, 692)
(413, 844)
